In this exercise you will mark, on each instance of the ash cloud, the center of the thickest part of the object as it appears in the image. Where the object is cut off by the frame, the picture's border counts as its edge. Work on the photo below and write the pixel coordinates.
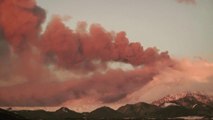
(71, 48)
(4, 47)
(186, 75)
(37, 62)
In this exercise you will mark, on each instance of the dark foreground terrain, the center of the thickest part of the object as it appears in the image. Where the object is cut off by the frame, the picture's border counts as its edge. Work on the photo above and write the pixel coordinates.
(182, 106)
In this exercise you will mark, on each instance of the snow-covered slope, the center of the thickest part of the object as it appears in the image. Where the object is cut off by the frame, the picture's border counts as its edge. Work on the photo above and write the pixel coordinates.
(182, 97)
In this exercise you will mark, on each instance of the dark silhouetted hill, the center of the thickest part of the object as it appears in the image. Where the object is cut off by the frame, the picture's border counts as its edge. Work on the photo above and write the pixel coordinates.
(182, 105)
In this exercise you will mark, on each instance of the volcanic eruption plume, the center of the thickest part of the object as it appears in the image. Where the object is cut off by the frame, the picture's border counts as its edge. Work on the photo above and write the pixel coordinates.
(63, 64)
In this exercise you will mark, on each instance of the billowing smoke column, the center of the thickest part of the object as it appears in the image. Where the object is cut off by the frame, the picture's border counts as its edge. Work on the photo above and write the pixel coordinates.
(63, 65)
(69, 48)
(20, 21)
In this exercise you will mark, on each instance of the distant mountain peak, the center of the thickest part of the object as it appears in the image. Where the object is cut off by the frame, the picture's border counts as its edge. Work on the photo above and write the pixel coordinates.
(190, 96)
(63, 109)
(104, 109)
(137, 109)
(105, 112)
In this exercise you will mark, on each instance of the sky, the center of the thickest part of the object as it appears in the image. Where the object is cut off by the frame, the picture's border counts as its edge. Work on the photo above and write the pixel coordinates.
(110, 53)
(182, 28)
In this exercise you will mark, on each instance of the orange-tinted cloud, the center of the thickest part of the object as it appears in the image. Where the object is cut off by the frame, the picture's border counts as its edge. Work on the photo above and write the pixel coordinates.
(69, 48)
(27, 74)
(20, 22)
(35, 64)
(185, 75)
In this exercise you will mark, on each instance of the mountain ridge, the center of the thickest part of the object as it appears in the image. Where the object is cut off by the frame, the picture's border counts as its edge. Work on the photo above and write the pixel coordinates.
(199, 96)
(170, 106)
